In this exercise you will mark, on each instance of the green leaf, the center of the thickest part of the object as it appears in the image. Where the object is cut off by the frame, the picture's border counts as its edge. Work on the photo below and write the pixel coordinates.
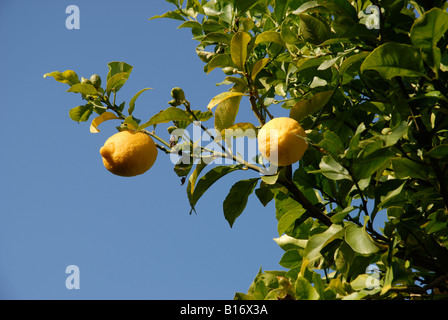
(357, 58)
(68, 76)
(287, 242)
(395, 60)
(81, 113)
(115, 82)
(318, 241)
(219, 61)
(339, 217)
(226, 112)
(426, 32)
(289, 30)
(258, 66)
(118, 67)
(332, 169)
(221, 97)
(194, 176)
(238, 49)
(132, 122)
(405, 168)
(393, 197)
(359, 240)
(313, 29)
(236, 200)
(206, 181)
(264, 194)
(171, 15)
(291, 259)
(132, 102)
(439, 152)
(270, 36)
(287, 211)
(167, 115)
(86, 89)
(307, 107)
(365, 166)
(304, 290)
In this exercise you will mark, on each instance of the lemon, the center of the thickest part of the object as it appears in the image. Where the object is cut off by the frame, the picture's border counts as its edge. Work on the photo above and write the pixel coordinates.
(280, 142)
(95, 80)
(129, 153)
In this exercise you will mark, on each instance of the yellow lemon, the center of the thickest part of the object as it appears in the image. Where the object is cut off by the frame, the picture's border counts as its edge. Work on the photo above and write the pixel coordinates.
(280, 142)
(129, 154)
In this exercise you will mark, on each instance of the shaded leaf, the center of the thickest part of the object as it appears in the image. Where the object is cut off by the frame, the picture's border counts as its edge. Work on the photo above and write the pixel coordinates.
(313, 29)
(236, 200)
(258, 66)
(206, 181)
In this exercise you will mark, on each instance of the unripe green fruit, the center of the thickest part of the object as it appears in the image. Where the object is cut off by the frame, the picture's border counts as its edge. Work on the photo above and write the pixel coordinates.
(178, 94)
(174, 103)
(85, 81)
(96, 80)
(228, 70)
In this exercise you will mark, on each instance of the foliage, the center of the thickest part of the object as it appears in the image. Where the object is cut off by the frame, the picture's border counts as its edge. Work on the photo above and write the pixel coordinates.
(374, 104)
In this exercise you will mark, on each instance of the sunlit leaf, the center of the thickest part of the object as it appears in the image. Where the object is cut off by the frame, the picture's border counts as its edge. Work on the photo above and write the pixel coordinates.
(68, 76)
(226, 112)
(307, 107)
(86, 89)
(359, 240)
(167, 115)
(134, 98)
(100, 119)
(394, 60)
(221, 97)
(270, 36)
(238, 49)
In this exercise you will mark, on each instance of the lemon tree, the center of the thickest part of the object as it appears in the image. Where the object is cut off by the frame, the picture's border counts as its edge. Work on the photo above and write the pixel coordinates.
(359, 170)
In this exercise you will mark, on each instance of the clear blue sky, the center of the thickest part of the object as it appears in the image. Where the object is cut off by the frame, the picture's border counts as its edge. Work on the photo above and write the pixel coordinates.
(132, 238)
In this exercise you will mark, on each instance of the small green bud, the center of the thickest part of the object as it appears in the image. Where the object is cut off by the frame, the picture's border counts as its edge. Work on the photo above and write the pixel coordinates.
(228, 70)
(96, 80)
(85, 81)
(178, 94)
(174, 103)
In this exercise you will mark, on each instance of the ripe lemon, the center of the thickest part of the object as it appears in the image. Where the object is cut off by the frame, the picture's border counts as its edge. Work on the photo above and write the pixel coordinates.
(128, 154)
(279, 141)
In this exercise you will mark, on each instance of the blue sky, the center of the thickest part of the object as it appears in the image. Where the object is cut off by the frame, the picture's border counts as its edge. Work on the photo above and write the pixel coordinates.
(132, 238)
